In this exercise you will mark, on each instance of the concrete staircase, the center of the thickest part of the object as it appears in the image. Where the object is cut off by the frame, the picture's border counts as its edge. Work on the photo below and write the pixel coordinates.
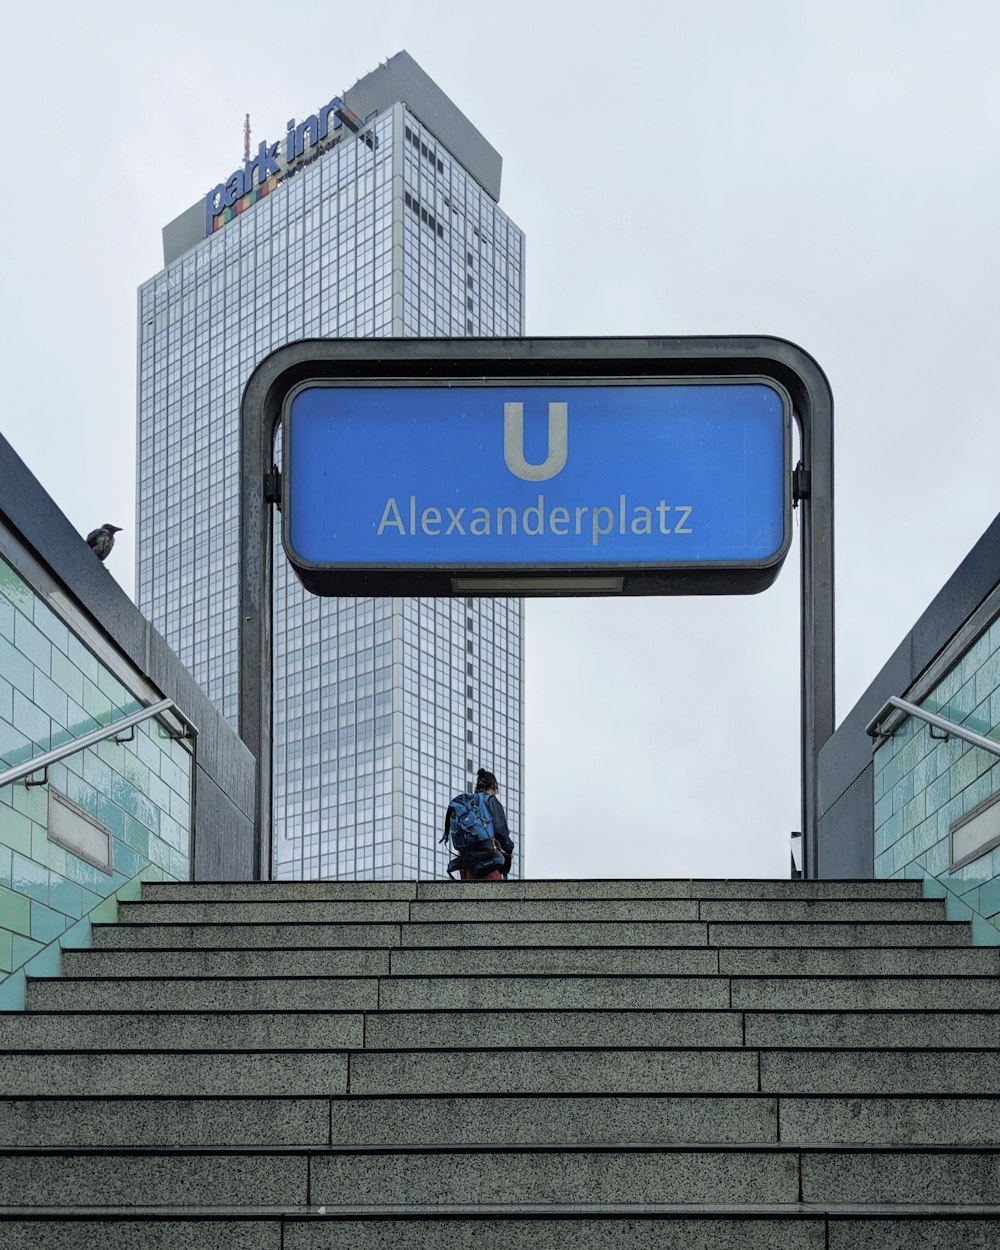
(578, 1065)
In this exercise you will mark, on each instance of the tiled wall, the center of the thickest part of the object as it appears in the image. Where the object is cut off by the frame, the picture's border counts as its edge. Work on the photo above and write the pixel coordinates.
(52, 689)
(924, 784)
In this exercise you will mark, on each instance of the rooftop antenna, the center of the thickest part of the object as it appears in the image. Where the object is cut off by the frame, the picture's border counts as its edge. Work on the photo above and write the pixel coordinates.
(246, 139)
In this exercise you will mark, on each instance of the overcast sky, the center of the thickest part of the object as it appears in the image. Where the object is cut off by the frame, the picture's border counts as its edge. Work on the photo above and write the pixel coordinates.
(822, 171)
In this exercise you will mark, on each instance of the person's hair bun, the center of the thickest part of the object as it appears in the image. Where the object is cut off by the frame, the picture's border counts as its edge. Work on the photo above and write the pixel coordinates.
(481, 773)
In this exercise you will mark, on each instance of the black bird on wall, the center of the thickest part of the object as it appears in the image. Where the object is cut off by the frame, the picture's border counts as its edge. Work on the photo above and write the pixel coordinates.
(101, 541)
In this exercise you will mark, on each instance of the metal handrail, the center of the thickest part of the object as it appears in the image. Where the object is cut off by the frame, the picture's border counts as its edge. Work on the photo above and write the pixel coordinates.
(41, 763)
(874, 727)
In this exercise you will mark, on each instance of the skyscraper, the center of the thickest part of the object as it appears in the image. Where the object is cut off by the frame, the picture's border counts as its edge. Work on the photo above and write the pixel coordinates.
(375, 216)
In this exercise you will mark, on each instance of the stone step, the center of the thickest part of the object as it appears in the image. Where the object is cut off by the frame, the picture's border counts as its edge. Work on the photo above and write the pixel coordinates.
(652, 1227)
(312, 962)
(691, 933)
(436, 891)
(505, 911)
(278, 891)
(516, 936)
(180, 1031)
(652, 1071)
(698, 889)
(512, 1227)
(869, 1030)
(733, 1175)
(818, 933)
(252, 936)
(205, 994)
(130, 1074)
(861, 1072)
(503, 993)
(844, 961)
(863, 993)
(498, 992)
(650, 961)
(281, 911)
(413, 1030)
(495, 1120)
(164, 1121)
(235, 1069)
(654, 1119)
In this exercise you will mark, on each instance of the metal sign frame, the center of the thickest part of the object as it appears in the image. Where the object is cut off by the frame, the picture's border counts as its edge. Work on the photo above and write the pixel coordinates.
(416, 360)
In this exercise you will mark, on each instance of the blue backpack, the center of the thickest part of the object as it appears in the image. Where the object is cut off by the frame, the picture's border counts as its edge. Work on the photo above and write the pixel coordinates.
(470, 830)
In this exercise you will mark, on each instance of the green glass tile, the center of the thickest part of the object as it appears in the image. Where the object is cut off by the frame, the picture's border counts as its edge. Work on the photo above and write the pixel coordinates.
(883, 865)
(989, 898)
(45, 852)
(963, 772)
(15, 747)
(15, 830)
(84, 659)
(77, 936)
(914, 812)
(6, 952)
(88, 900)
(6, 619)
(65, 896)
(882, 757)
(16, 668)
(96, 772)
(933, 888)
(32, 643)
(67, 677)
(984, 933)
(883, 810)
(936, 859)
(135, 772)
(181, 811)
(147, 813)
(5, 860)
(110, 814)
(33, 802)
(123, 793)
(127, 861)
(902, 792)
(926, 834)
(136, 836)
(23, 949)
(46, 924)
(6, 700)
(15, 911)
(31, 720)
(988, 677)
(14, 588)
(96, 703)
(50, 625)
(970, 898)
(975, 657)
(12, 992)
(159, 796)
(179, 866)
(938, 793)
(130, 891)
(29, 878)
(106, 912)
(913, 872)
(79, 721)
(87, 875)
(45, 963)
(955, 909)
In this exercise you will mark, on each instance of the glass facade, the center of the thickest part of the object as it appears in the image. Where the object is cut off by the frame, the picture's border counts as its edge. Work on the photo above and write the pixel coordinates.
(382, 707)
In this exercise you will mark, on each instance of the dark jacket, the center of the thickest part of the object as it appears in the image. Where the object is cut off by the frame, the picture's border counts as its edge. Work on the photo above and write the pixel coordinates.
(500, 831)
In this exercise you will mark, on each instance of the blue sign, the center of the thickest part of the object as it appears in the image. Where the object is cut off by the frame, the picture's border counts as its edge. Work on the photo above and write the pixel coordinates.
(569, 477)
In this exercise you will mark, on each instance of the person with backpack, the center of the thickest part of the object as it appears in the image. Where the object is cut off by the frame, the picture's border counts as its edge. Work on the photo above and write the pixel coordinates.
(476, 826)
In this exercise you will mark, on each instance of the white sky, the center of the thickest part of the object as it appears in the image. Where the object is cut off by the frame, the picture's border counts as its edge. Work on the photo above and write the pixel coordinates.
(826, 172)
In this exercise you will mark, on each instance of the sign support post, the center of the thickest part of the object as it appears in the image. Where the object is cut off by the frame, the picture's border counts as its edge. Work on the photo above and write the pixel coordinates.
(570, 366)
